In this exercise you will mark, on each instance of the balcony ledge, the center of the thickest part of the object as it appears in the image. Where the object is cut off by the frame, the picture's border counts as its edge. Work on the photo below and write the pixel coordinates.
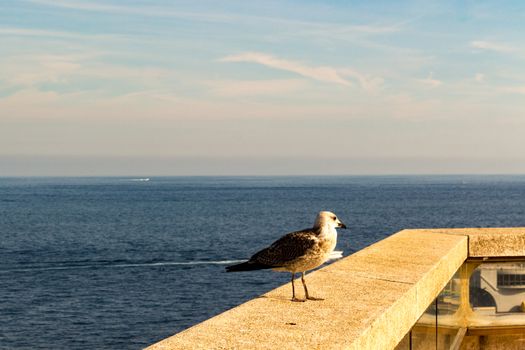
(372, 298)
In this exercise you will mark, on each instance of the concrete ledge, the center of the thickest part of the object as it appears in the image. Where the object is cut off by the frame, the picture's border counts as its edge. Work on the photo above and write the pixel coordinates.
(492, 242)
(373, 298)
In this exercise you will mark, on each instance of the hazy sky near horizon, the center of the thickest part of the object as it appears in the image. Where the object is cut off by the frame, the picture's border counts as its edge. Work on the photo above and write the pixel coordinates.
(263, 80)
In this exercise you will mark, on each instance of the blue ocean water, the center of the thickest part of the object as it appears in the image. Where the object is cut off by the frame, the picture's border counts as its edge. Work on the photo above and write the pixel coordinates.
(115, 263)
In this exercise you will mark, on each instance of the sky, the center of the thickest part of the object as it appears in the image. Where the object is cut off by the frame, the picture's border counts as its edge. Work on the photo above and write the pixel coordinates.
(268, 87)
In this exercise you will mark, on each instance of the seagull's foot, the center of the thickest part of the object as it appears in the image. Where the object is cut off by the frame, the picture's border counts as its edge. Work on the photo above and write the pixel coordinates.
(298, 300)
(314, 298)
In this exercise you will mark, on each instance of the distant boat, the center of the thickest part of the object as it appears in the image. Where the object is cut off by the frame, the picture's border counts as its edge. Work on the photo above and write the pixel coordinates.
(143, 179)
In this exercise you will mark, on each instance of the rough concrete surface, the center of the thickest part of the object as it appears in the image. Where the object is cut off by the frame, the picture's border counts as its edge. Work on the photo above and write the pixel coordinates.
(492, 242)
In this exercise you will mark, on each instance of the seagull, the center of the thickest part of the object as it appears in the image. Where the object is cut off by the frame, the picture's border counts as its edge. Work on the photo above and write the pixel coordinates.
(298, 251)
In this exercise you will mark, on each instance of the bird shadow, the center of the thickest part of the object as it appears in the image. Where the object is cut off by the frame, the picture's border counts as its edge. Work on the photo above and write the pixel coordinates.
(275, 297)
(284, 298)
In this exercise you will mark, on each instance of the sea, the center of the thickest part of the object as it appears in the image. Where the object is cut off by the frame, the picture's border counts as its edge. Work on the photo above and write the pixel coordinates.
(123, 262)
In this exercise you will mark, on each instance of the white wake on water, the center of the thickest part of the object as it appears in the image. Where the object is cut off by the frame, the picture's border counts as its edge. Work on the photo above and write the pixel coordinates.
(336, 254)
(219, 262)
(107, 266)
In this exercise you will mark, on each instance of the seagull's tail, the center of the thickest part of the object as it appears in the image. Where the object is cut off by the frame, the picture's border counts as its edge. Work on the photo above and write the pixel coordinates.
(247, 266)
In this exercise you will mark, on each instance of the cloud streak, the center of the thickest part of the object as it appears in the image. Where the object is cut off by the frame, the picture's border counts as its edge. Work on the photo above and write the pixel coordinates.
(248, 88)
(514, 90)
(77, 72)
(310, 27)
(327, 74)
(13, 31)
(323, 73)
(479, 77)
(491, 46)
(430, 81)
(129, 10)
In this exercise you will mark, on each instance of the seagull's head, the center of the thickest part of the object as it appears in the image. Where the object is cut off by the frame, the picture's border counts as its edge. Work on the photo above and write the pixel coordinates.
(328, 219)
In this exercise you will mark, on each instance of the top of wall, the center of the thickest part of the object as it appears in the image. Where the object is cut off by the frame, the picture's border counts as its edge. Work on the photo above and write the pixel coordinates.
(372, 299)
(491, 242)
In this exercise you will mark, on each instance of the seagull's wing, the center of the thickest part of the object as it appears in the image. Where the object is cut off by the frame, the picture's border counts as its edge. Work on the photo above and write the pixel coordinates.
(286, 249)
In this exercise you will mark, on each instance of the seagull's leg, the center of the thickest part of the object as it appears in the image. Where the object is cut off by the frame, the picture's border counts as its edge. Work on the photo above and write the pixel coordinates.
(293, 289)
(306, 289)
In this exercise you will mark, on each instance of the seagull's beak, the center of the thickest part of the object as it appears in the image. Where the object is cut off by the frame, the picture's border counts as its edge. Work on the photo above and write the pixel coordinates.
(341, 225)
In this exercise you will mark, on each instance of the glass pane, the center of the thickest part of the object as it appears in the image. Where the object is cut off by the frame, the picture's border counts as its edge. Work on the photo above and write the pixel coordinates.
(498, 289)
(438, 326)
(425, 330)
(404, 344)
(448, 303)
(497, 297)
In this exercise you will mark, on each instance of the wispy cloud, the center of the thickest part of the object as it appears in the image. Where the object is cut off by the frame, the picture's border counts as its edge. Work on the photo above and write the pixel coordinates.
(323, 73)
(320, 73)
(430, 81)
(32, 71)
(30, 32)
(514, 89)
(152, 11)
(492, 46)
(33, 32)
(479, 77)
(77, 5)
(368, 83)
(307, 27)
(240, 88)
(373, 29)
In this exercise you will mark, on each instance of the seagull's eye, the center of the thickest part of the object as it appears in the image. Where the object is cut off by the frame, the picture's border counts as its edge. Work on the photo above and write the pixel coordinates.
(334, 218)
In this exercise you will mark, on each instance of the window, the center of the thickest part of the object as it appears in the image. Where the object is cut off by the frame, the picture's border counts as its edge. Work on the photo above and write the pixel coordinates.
(511, 280)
